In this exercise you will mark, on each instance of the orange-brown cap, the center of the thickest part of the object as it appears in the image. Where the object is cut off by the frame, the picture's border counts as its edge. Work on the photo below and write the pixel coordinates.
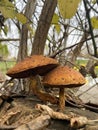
(63, 76)
(33, 65)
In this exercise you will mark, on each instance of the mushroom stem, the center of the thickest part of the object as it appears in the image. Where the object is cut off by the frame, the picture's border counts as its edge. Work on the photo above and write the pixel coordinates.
(61, 99)
(33, 88)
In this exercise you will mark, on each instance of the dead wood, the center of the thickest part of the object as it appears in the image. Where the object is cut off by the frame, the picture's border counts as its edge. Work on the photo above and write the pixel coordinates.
(38, 123)
(76, 121)
(1, 101)
(52, 113)
(15, 115)
(5, 118)
(4, 108)
(5, 127)
(19, 112)
(47, 97)
(93, 127)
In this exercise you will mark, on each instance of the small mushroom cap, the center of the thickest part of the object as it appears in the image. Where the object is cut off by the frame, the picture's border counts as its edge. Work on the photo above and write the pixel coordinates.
(33, 65)
(63, 77)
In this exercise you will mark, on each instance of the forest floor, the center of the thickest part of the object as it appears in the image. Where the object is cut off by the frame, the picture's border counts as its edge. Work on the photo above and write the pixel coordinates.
(22, 112)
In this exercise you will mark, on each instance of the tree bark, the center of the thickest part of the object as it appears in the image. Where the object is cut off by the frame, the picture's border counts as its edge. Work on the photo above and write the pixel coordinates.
(40, 39)
(22, 53)
(43, 26)
(30, 7)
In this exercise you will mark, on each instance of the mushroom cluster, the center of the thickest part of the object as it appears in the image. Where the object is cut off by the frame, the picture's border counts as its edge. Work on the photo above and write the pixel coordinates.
(54, 75)
(30, 67)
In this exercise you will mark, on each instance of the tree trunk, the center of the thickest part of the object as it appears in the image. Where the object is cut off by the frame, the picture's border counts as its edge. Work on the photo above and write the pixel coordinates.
(22, 53)
(30, 7)
(40, 39)
(43, 26)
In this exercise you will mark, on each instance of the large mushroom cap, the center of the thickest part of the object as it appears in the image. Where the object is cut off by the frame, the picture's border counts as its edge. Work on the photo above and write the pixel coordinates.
(33, 65)
(63, 76)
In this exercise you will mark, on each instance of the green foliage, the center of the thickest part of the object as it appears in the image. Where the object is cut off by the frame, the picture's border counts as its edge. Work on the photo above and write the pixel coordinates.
(30, 28)
(8, 11)
(3, 50)
(94, 21)
(55, 21)
(58, 28)
(68, 8)
(5, 65)
(21, 18)
(93, 1)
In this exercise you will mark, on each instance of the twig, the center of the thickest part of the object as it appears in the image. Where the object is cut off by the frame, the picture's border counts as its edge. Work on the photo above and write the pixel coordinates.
(53, 114)
(9, 39)
(8, 116)
(76, 121)
(56, 53)
(90, 27)
(5, 127)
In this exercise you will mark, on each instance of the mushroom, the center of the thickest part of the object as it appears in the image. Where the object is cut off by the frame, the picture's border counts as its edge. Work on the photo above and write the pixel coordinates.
(32, 66)
(63, 77)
